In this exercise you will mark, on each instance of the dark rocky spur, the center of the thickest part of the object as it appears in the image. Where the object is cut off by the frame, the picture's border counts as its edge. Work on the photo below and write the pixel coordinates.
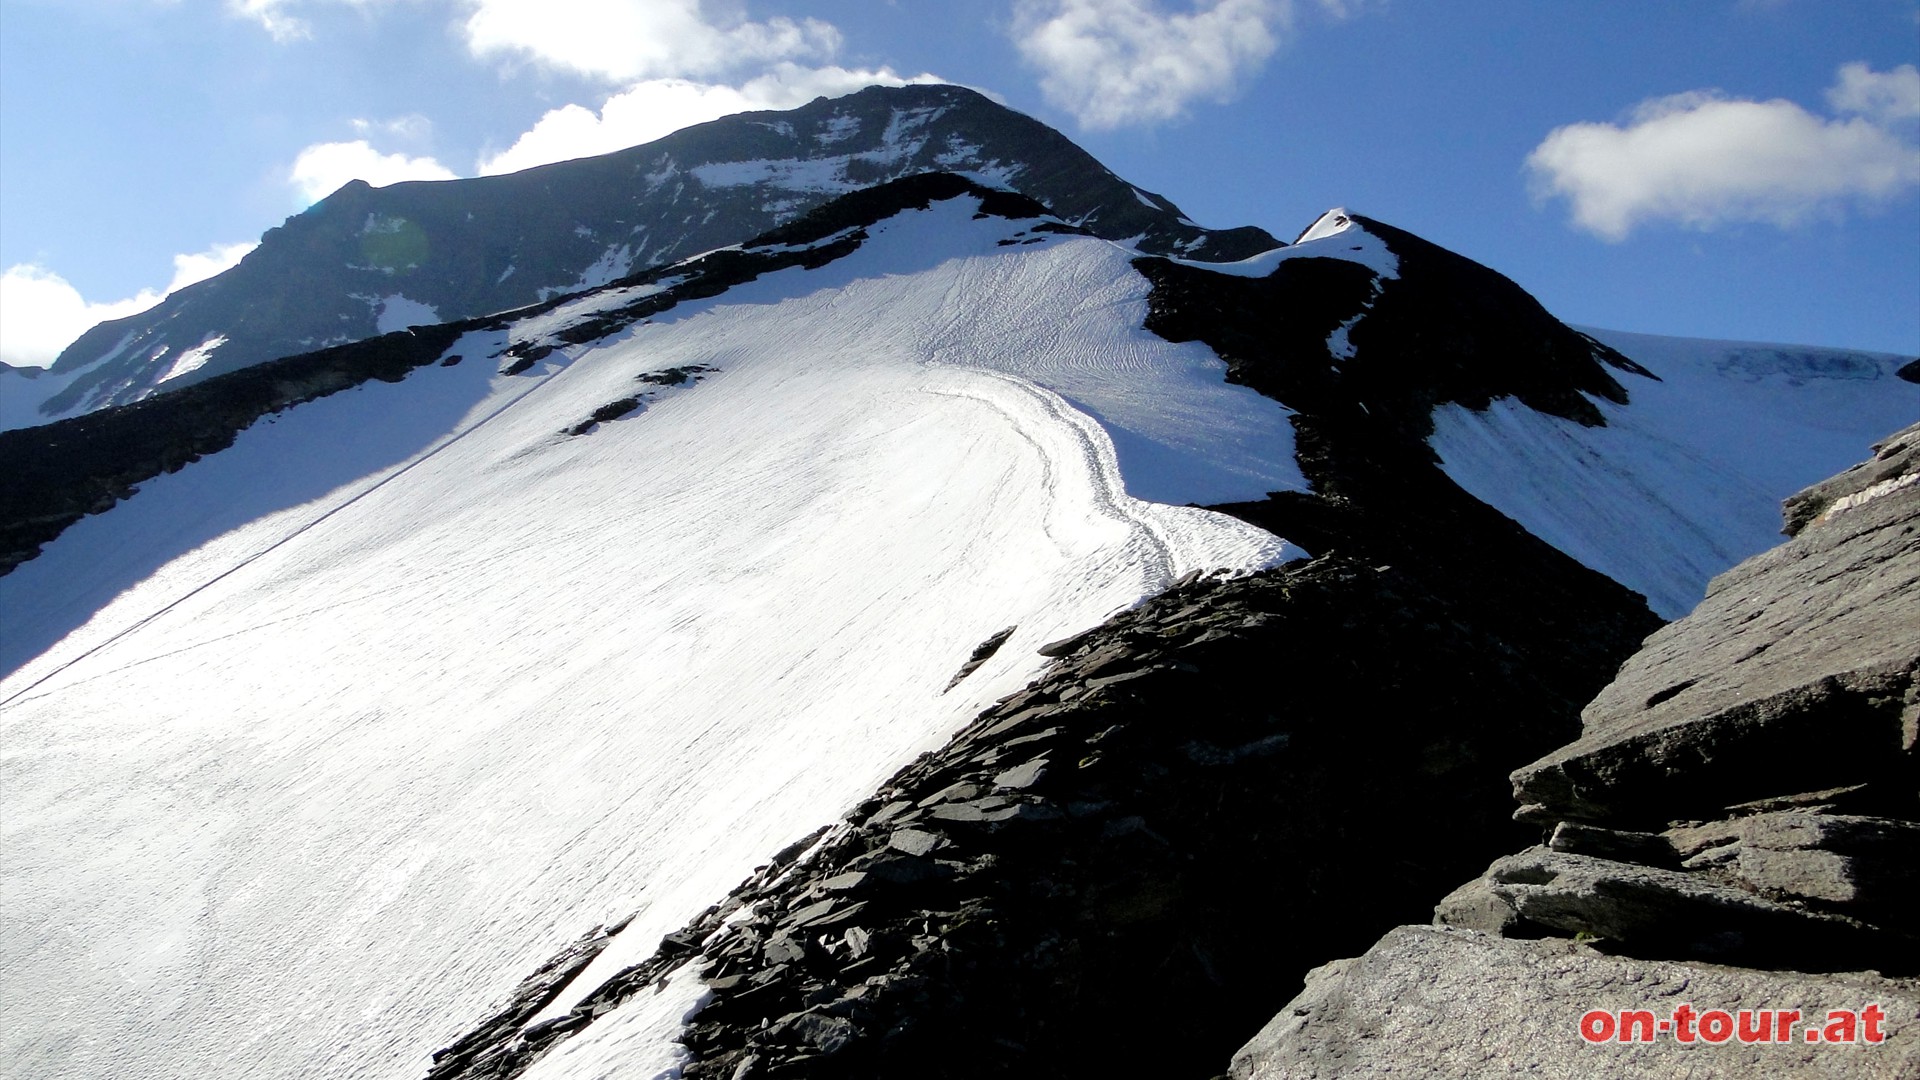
(1122, 869)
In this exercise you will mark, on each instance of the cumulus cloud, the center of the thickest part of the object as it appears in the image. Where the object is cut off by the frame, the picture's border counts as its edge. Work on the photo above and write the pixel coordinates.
(201, 265)
(1703, 160)
(624, 40)
(1113, 63)
(682, 62)
(615, 40)
(42, 313)
(320, 169)
(1886, 96)
(657, 107)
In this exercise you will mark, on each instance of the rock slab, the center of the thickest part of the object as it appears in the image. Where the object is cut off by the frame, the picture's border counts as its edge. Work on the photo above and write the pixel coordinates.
(1438, 1002)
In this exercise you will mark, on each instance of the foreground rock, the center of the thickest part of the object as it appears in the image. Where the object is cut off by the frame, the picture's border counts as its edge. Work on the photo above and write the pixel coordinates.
(1743, 793)
(1440, 1002)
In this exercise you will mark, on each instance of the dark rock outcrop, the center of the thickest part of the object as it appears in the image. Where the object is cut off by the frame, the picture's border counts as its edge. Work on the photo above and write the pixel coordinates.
(534, 993)
(1444, 329)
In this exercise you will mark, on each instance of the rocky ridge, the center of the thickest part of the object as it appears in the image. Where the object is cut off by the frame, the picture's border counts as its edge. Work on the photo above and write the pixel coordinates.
(1114, 870)
(1738, 817)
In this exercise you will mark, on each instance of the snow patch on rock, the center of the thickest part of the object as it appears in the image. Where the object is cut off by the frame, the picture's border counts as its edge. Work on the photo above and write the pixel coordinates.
(193, 359)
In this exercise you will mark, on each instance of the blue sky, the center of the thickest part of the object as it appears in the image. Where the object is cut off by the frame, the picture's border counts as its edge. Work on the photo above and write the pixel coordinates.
(1717, 168)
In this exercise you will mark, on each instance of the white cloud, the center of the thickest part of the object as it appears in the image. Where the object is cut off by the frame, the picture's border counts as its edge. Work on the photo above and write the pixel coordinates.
(412, 127)
(615, 40)
(202, 265)
(657, 107)
(624, 40)
(273, 18)
(1887, 96)
(1703, 160)
(42, 313)
(320, 169)
(1117, 62)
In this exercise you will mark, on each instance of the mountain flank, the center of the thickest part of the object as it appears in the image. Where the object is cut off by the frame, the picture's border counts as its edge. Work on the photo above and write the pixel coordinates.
(365, 261)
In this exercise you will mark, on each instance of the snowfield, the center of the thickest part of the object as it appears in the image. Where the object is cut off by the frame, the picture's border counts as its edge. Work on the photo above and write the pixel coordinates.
(1687, 478)
(314, 748)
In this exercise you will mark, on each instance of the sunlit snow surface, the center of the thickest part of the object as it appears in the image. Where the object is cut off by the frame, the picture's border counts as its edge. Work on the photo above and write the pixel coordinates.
(1687, 479)
(320, 744)
(194, 359)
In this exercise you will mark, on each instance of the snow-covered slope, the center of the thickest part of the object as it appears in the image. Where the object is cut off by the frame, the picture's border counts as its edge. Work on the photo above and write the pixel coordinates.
(316, 745)
(370, 260)
(1686, 479)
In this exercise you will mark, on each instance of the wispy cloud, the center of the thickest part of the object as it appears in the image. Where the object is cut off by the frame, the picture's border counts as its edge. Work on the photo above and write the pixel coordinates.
(1703, 160)
(615, 40)
(1113, 63)
(411, 128)
(275, 17)
(42, 313)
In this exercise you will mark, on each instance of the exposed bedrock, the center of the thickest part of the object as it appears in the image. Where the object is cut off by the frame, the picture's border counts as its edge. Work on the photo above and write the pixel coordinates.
(1433, 1002)
(1736, 827)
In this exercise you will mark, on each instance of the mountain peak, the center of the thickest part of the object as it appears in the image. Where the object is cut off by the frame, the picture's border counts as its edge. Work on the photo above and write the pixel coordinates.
(1331, 223)
(369, 260)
